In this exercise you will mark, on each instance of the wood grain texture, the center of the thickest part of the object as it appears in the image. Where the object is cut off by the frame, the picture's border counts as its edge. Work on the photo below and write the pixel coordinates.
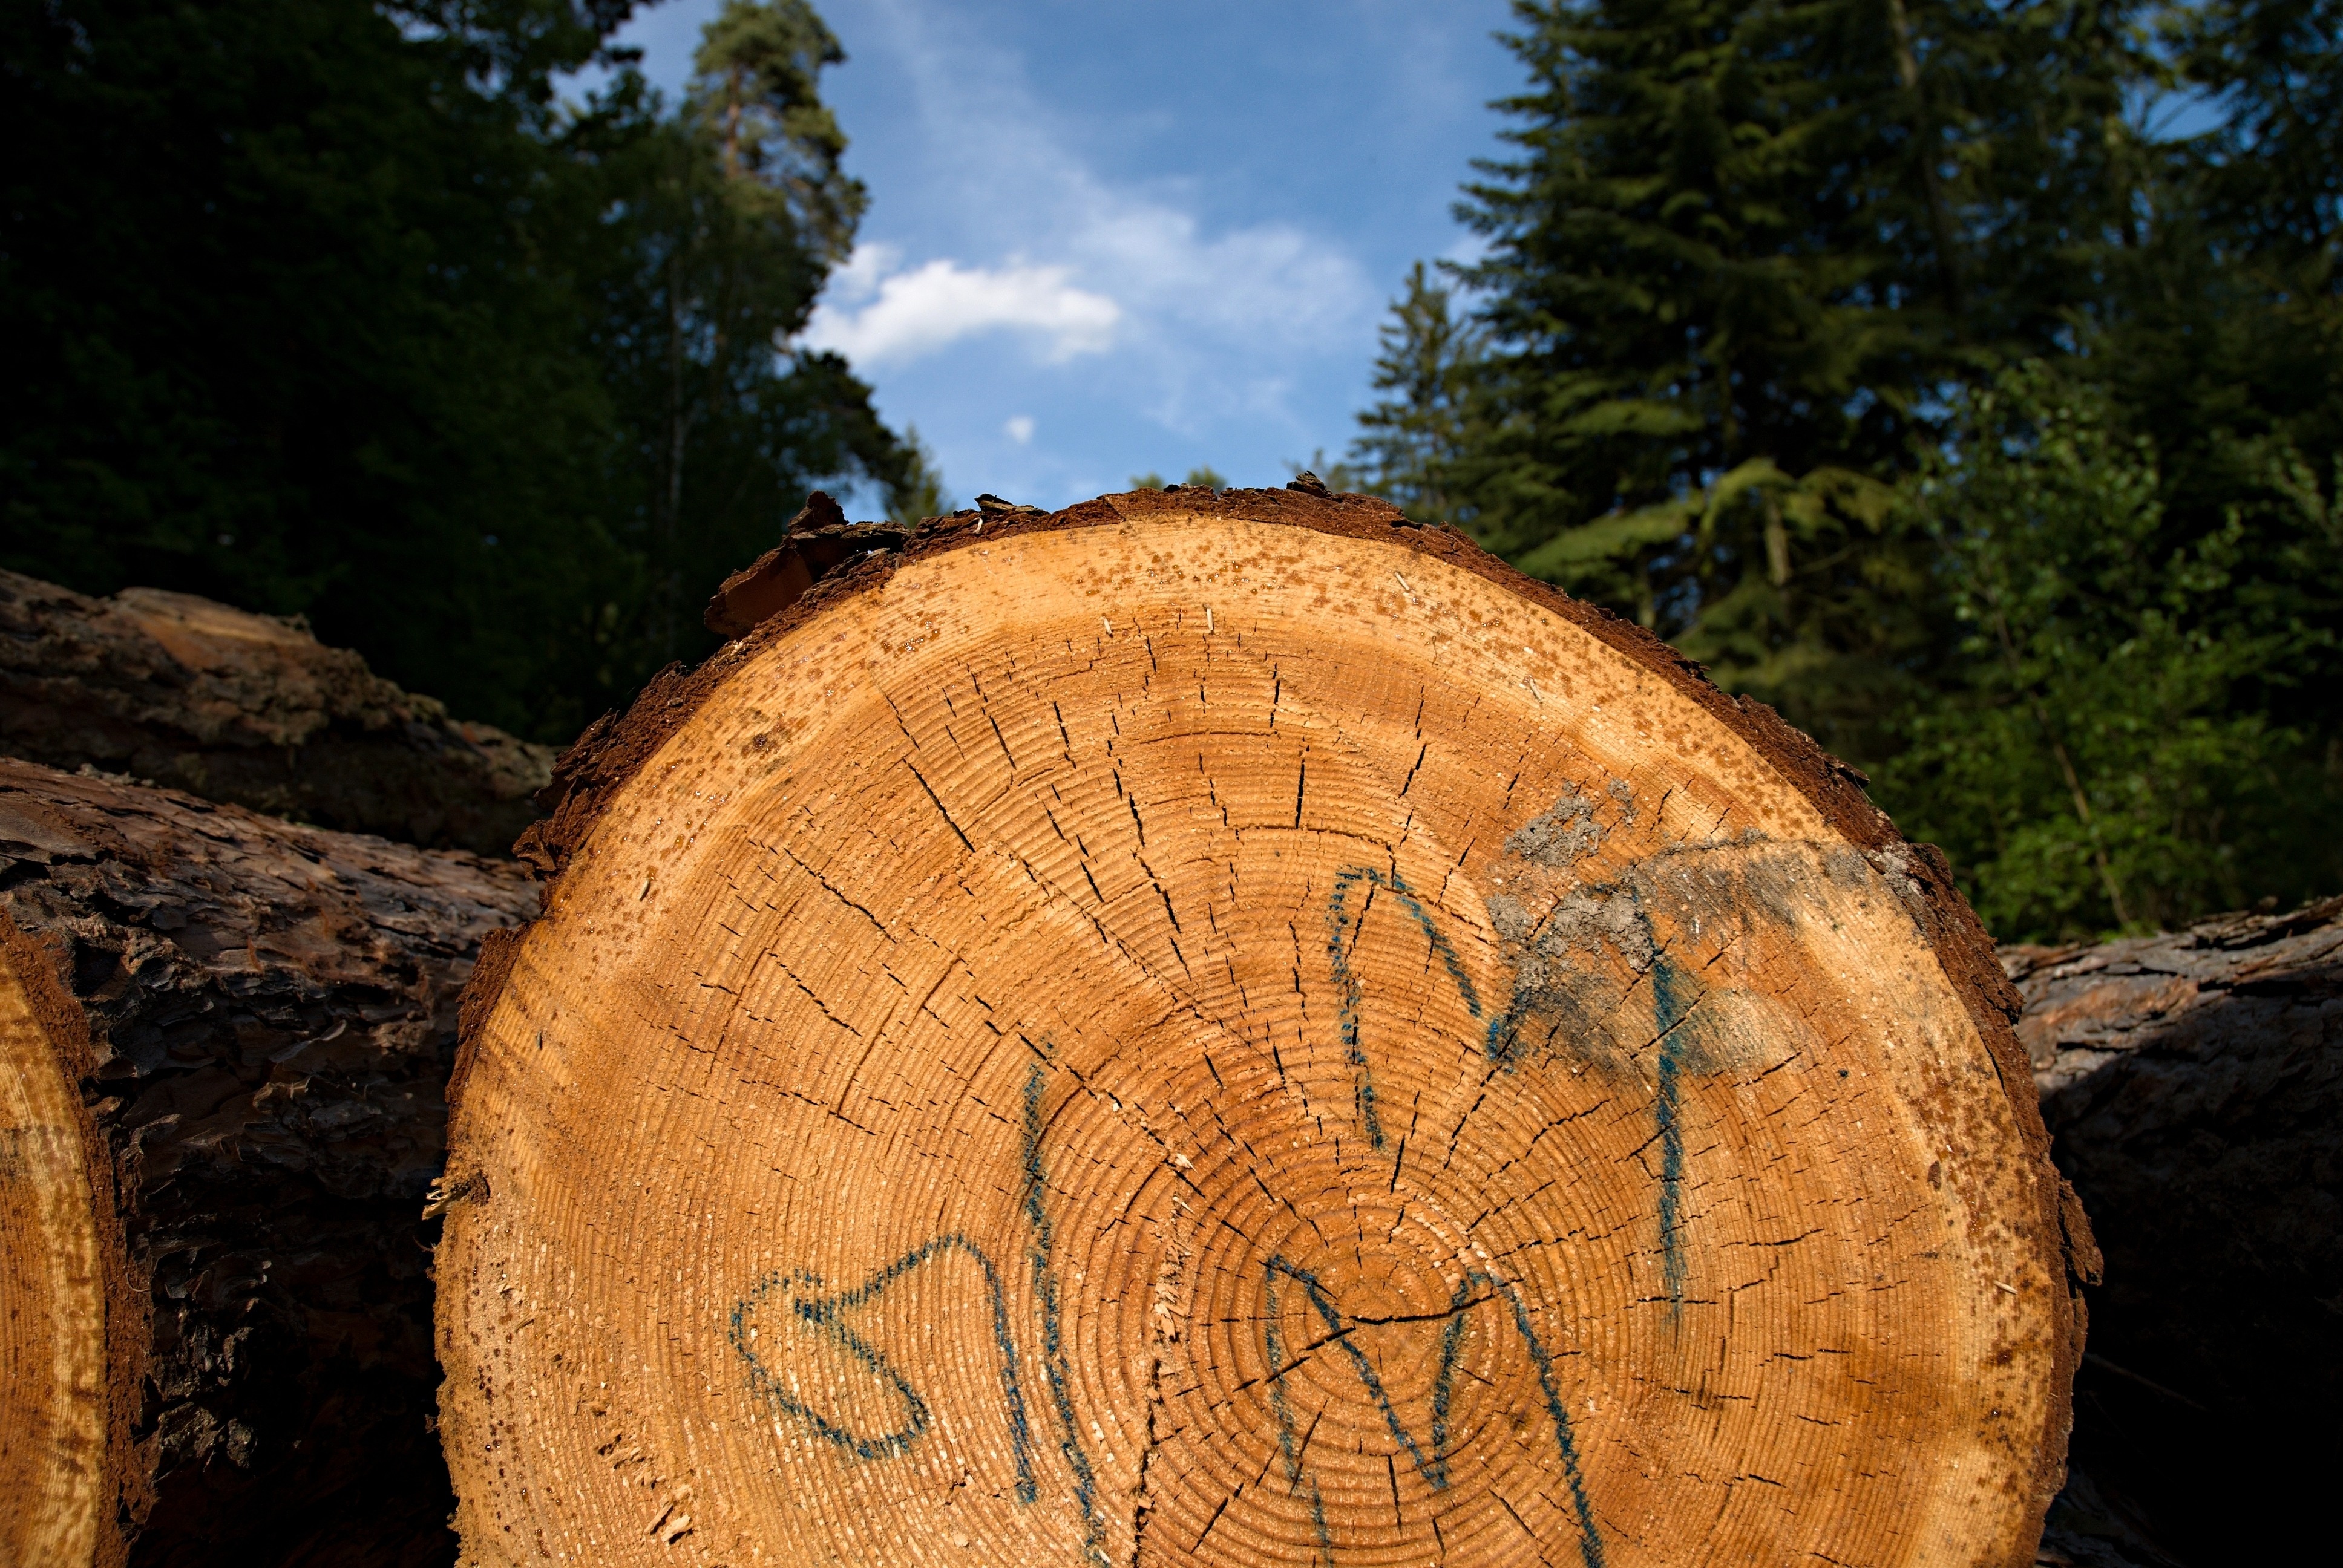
(52, 1298)
(198, 696)
(1232, 1029)
(226, 1038)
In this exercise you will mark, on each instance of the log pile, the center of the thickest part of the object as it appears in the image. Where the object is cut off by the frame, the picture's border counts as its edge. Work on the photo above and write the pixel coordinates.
(226, 1040)
(1234, 1028)
(195, 695)
(1201, 1027)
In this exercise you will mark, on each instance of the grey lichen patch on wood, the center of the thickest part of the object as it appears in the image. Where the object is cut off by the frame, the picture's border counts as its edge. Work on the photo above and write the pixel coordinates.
(1559, 835)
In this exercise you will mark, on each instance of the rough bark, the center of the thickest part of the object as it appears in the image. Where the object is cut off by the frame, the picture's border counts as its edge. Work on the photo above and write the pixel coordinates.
(193, 694)
(229, 1041)
(2193, 1084)
(1232, 1028)
(818, 542)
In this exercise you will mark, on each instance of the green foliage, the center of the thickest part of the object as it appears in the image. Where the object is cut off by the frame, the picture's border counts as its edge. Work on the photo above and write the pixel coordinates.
(727, 216)
(1207, 477)
(2271, 173)
(918, 494)
(757, 95)
(331, 307)
(2086, 759)
(1741, 249)
(1755, 271)
(2218, 333)
(1411, 440)
(1738, 229)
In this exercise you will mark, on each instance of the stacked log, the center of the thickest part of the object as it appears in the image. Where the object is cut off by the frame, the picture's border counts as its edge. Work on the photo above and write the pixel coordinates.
(2193, 1083)
(1235, 1029)
(226, 1042)
(1201, 1027)
(196, 696)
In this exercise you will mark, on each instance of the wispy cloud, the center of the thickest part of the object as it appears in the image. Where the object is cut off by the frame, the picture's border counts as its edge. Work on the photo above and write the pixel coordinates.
(876, 315)
(1163, 234)
(1019, 234)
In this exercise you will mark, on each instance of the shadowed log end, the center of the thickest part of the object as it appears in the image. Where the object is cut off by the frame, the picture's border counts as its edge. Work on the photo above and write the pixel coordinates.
(226, 1039)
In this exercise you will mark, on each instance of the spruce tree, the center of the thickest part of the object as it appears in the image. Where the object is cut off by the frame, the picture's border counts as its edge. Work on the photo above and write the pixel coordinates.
(1411, 440)
(1742, 250)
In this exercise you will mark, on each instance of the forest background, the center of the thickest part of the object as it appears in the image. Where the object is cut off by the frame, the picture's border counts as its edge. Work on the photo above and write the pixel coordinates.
(1906, 363)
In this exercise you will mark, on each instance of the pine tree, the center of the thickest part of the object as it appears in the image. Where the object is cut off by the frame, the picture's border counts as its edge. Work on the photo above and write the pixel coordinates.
(919, 493)
(736, 209)
(1202, 476)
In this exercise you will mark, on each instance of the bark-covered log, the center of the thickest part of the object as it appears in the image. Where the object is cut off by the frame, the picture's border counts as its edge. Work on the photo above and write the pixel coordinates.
(1235, 1029)
(196, 696)
(226, 1040)
(2193, 1084)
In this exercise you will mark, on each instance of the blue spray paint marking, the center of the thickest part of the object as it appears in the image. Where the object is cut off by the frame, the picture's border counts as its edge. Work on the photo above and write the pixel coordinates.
(1673, 994)
(1670, 1004)
(823, 1314)
(1590, 1540)
(1359, 1362)
(1338, 954)
(1451, 1347)
(1053, 1348)
(1502, 1031)
(1295, 1479)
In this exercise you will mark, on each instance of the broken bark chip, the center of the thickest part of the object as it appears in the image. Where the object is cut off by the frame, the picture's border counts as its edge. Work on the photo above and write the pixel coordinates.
(1229, 1028)
(820, 540)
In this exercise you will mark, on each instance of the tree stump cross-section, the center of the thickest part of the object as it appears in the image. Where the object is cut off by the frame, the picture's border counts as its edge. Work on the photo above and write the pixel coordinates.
(1233, 1029)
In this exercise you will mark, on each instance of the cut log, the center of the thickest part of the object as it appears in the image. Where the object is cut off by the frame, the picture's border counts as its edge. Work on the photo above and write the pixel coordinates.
(1234, 1028)
(225, 1040)
(193, 695)
(2194, 1086)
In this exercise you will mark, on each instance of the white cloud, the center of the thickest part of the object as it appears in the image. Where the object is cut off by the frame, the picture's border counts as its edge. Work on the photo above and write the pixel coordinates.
(914, 312)
(1019, 428)
(1020, 233)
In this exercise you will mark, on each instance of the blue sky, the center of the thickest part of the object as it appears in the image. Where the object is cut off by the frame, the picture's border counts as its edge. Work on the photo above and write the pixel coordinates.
(1113, 237)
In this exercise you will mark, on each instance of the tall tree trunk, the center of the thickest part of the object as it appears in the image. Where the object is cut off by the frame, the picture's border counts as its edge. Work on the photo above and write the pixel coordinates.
(1234, 1028)
(223, 1045)
(1923, 140)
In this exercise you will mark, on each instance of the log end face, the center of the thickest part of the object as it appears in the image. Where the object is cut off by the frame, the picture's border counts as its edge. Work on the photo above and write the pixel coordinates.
(1198, 1039)
(63, 1414)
